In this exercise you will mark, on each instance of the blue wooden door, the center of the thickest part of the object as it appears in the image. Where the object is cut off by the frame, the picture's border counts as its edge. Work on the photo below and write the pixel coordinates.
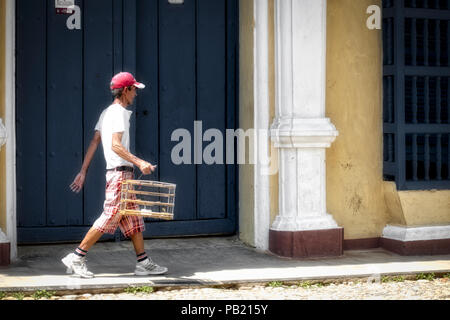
(62, 87)
(187, 55)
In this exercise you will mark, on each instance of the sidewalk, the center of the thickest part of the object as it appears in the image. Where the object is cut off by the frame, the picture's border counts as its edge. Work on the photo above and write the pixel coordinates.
(200, 261)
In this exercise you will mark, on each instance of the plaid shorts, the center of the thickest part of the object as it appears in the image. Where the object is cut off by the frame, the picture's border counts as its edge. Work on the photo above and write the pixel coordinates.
(110, 219)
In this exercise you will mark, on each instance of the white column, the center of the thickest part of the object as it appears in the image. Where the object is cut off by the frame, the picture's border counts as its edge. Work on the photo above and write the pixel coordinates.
(3, 138)
(261, 124)
(10, 83)
(300, 130)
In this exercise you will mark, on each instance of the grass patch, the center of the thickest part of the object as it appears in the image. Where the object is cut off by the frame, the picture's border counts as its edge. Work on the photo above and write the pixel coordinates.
(319, 284)
(43, 294)
(447, 276)
(18, 295)
(425, 276)
(2, 295)
(385, 279)
(143, 289)
(305, 284)
(275, 284)
(311, 284)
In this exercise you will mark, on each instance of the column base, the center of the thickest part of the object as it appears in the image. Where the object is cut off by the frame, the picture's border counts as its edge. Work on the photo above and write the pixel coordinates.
(307, 244)
(5, 253)
(416, 248)
(411, 241)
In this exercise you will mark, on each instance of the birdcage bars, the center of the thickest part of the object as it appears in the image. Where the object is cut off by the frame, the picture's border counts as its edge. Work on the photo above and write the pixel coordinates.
(135, 194)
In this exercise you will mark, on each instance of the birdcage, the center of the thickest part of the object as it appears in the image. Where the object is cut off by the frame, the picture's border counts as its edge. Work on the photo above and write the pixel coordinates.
(148, 199)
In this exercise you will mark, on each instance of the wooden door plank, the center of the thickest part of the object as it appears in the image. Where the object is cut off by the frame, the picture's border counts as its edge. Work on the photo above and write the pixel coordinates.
(177, 56)
(211, 106)
(64, 118)
(31, 113)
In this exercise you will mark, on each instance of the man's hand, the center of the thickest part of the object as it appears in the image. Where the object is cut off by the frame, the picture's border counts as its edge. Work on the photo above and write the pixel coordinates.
(78, 183)
(146, 167)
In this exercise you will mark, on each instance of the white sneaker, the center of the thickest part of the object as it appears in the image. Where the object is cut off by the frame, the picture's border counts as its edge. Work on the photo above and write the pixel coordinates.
(77, 265)
(148, 267)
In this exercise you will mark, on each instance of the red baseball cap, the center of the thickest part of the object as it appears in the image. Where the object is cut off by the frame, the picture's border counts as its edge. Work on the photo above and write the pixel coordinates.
(125, 79)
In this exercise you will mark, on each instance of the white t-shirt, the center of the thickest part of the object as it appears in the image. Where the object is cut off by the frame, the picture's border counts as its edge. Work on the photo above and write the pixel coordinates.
(114, 119)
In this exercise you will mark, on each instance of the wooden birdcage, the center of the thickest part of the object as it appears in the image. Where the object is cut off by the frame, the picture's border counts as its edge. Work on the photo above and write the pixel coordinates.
(148, 199)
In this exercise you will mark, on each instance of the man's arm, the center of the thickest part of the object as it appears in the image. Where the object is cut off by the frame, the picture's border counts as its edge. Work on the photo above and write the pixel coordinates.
(118, 148)
(78, 183)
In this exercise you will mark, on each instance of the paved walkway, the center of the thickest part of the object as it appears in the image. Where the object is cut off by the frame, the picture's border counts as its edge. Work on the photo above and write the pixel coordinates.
(200, 262)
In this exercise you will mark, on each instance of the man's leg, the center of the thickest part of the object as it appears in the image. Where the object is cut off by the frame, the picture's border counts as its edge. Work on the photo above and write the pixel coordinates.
(75, 262)
(90, 239)
(138, 242)
(106, 223)
(133, 228)
(145, 266)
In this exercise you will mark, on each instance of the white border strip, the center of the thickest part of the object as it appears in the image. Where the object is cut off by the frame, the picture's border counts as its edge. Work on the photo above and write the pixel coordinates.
(10, 83)
(416, 233)
(261, 121)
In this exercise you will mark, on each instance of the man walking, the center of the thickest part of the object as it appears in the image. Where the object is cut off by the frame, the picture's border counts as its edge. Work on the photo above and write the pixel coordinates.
(112, 130)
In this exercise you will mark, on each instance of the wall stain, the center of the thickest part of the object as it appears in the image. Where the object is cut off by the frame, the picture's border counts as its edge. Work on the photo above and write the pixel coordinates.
(355, 203)
(347, 166)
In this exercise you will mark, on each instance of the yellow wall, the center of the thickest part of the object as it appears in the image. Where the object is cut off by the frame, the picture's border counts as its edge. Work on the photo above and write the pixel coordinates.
(355, 195)
(417, 208)
(425, 207)
(246, 116)
(2, 115)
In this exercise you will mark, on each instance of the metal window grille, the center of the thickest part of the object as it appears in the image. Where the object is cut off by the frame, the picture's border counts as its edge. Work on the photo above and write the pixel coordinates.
(416, 93)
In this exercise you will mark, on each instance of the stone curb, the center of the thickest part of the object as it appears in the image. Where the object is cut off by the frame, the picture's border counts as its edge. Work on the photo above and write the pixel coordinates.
(194, 284)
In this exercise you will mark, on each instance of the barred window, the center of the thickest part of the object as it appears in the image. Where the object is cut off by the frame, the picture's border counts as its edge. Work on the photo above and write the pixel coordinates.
(416, 93)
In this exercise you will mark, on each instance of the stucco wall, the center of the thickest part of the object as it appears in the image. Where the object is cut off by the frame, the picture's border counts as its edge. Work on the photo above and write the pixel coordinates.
(417, 208)
(355, 195)
(425, 207)
(2, 115)
(246, 116)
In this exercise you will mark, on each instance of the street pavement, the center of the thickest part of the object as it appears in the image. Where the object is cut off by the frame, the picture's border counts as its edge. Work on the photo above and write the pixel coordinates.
(201, 262)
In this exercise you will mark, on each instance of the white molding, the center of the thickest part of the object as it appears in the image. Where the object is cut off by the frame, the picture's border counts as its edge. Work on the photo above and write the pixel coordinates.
(10, 107)
(419, 233)
(303, 133)
(3, 237)
(296, 223)
(261, 123)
